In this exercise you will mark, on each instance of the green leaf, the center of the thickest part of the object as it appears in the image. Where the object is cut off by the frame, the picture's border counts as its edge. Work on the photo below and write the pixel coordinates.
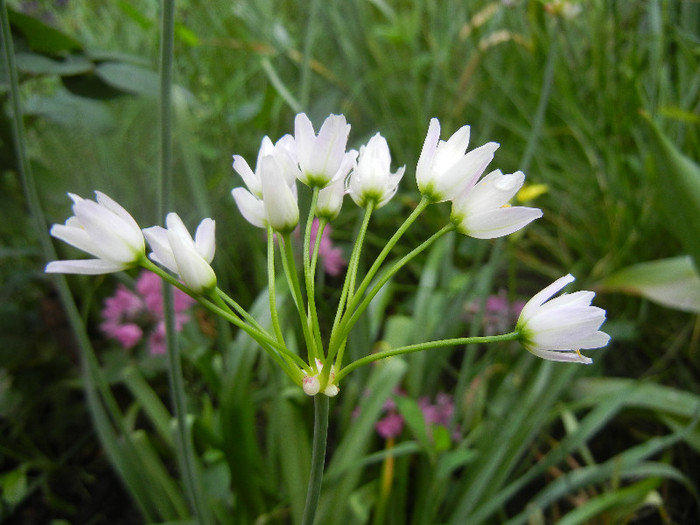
(14, 485)
(679, 187)
(69, 110)
(130, 78)
(38, 64)
(673, 282)
(41, 37)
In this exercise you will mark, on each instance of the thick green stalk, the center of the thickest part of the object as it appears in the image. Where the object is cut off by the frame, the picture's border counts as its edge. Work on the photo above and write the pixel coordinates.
(418, 347)
(185, 449)
(318, 458)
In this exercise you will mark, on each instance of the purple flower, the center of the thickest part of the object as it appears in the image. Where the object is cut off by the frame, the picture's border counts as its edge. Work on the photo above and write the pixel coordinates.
(129, 315)
(438, 413)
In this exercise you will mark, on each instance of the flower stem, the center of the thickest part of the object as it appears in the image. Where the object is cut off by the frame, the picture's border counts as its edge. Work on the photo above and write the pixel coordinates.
(310, 273)
(185, 450)
(271, 285)
(418, 347)
(348, 322)
(293, 280)
(318, 458)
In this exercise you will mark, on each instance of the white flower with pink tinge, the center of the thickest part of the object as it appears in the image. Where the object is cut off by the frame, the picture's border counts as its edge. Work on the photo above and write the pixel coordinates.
(558, 329)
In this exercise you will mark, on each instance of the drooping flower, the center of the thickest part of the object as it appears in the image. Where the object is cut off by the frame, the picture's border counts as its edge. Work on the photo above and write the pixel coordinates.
(371, 180)
(104, 229)
(444, 167)
(321, 156)
(482, 211)
(130, 315)
(557, 329)
(189, 258)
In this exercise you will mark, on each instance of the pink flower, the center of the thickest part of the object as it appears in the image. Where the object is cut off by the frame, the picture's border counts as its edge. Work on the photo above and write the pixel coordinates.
(390, 425)
(438, 413)
(333, 261)
(128, 316)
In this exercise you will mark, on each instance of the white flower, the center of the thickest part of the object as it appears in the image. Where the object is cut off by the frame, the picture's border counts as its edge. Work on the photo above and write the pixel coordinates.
(444, 168)
(559, 328)
(371, 178)
(320, 156)
(285, 153)
(330, 200)
(277, 203)
(103, 229)
(482, 211)
(189, 258)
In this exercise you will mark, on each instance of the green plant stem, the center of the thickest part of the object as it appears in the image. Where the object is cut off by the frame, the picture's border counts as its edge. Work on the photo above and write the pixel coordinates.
(240, 310)
(418, 347)
(318, 458)
(424, 202)
(351, 271)
(310, 274)
(185, 449)
(271, 285)
(216, 305)
(348, 323)
(337, 342)
(295, 287)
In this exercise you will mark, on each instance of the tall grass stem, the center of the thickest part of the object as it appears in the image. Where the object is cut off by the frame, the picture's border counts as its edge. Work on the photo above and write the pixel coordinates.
(185, 451)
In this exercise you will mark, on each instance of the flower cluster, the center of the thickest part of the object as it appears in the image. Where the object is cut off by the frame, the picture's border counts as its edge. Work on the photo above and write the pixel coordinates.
(439, 413)
(129, 316)
(555, 329)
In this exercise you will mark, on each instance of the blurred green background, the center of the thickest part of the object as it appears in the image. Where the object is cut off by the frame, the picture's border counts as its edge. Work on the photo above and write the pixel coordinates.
(596, 100)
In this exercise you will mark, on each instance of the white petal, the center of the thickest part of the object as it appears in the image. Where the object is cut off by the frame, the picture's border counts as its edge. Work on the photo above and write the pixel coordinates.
(75, 236)
(117, 209)
(279, 200)
(498, 222)
(569, 357)
(192, 268)
(250, 179)
(304, 137)
(424, 168)
(540, 297)
(162, 253)
(175, 224)
(250, 207)
(111, 238)
(85, 267)
(205, 239)
(457, 144)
